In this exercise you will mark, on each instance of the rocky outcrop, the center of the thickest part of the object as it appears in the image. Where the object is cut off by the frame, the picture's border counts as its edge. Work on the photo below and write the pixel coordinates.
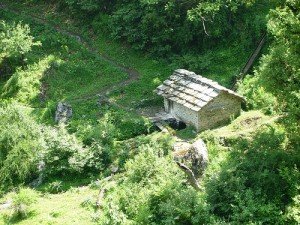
(63, 112)
(194, 156)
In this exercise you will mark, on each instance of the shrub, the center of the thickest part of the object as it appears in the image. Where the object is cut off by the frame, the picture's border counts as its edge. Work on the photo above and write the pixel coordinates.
(63, 153)
(15, 40)
(55, 187)
(257, 96)
(20, 144)
(21, 205)
(25, 143)
(25, 84)
(128, 149)
(257, 180)
(151, 191)
(293, 211)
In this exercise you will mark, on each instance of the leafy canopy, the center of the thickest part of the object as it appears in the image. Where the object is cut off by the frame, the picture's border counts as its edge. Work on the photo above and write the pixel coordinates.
(15, 39)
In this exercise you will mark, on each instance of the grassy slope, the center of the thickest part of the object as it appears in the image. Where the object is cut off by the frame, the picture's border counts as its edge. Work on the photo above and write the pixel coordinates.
(78, 72)
(223, 66)
(75, 71)
(68, 207)
(245, 125)
(63, 208)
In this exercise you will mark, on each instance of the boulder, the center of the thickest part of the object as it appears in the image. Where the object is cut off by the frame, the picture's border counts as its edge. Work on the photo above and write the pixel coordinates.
(63, 112)
(5, 205)
(194, 156)
(102, 100)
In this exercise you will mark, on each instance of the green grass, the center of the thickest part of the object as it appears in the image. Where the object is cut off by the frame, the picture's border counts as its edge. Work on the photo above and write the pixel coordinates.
(221, 63)
(74, 71)
(77, 73)
(244, 126)
(64, 208)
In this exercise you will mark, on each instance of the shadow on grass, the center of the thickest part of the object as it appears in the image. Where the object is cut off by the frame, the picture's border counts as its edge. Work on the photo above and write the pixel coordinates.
(60, 184)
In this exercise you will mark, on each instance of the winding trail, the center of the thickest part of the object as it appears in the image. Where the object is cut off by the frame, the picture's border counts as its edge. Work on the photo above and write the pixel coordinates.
(133, 75)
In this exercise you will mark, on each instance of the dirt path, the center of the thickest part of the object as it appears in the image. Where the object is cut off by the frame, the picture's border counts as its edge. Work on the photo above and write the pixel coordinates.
(133, 74)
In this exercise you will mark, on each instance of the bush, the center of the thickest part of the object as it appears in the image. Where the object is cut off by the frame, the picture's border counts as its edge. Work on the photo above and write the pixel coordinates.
(20, 144)
(25, 143)
(257, 96)
(293, 211)
(55, 187)
(25, 84)
(21, 205)
(63, 153)
(114, 124)
(15, 40)
(152, 191)
(128, 149)
(257, 180)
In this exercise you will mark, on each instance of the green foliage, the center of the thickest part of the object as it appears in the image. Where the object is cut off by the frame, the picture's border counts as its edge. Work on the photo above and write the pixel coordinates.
(63, 153)
(24, 143)
(257, 96)
(278, 73)
(20, 144)
(209, 9)
(22, 202)
(279, 70)
(257, 180)
(114, 124)
(188, 133)
(250, 178)
(121, 151)
(151, 192)
(168, 26)
(25, 84)
(15, 40)
(55, 187)
(293, 211)
(88, 7)
(165, 27)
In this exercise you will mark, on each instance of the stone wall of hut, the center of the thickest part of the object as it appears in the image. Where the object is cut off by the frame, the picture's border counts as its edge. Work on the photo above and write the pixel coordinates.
(183, 113)
(219, 111)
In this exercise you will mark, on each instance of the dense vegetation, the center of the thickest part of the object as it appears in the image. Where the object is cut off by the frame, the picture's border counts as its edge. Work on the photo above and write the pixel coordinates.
(182, 31)
(108, 151)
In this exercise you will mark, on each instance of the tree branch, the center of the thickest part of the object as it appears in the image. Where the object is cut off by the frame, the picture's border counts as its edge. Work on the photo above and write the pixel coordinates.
(191, 176)
(102, 192)
(204, 27)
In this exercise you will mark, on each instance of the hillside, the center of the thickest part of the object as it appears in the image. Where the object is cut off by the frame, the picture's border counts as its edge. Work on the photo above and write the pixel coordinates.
(109, 164)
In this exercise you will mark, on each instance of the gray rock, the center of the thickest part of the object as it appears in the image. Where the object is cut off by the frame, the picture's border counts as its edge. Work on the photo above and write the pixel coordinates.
(102, 100)
(5, 205)
(194, 156)
(63, 112)
(199, 157)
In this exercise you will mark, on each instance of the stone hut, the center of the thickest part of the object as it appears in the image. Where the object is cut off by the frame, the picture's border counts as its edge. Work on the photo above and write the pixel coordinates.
(199, 101)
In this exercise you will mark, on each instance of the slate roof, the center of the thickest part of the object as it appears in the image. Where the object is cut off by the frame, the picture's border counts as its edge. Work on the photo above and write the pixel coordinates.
(191, 90)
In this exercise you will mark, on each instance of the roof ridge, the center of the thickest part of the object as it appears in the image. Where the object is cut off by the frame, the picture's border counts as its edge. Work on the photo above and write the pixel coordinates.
(208, 82)
(191, 90)
(198, 78)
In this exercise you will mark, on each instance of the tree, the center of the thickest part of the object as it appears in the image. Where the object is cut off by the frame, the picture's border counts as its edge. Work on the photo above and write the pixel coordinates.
(15, 40)
(279, 70)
